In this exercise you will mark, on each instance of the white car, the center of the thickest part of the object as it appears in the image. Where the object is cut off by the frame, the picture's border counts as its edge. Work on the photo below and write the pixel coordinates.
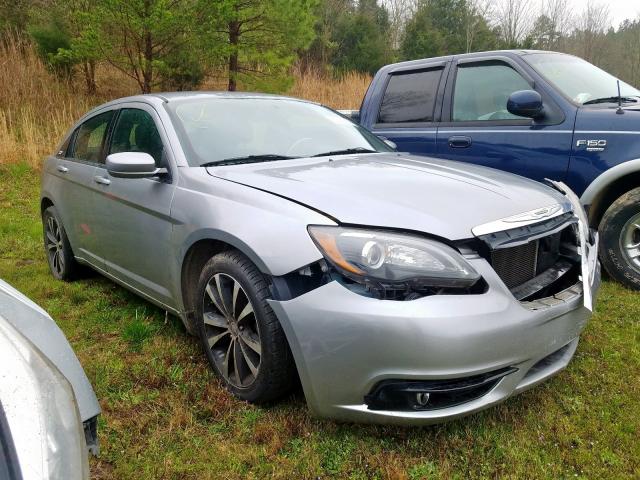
(48, 410)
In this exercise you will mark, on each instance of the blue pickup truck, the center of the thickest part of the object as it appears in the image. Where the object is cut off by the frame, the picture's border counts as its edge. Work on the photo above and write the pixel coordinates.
(542, 115)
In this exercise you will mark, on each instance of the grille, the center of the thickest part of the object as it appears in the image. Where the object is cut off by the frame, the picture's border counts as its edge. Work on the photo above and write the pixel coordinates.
(516, 265)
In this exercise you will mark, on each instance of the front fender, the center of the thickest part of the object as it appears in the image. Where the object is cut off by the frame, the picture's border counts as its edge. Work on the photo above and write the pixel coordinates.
(221, 236)
(607, 178)
(270, 230)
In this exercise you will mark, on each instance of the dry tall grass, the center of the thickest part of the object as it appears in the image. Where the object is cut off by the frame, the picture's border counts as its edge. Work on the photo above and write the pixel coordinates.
(345, 92)
(36, 108)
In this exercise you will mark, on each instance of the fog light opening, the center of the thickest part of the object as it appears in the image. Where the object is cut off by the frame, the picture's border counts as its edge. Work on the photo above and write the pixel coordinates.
(422, 398)
(423, 395)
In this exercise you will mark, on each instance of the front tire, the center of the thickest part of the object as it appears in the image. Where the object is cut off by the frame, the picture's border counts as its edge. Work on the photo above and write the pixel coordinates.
(62, 262)
(620, 239)
(240, 334)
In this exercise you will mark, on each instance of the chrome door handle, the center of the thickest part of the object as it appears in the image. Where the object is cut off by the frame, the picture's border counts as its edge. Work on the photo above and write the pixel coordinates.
(62, 169)
(459, 141)
(102, 180)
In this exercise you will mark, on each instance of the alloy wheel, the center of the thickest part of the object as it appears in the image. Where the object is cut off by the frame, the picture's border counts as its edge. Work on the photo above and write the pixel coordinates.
(231, 330)
(54, 244)
(630, 241)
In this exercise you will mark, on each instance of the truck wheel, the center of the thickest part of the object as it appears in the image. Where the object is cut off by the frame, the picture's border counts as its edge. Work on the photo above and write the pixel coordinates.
(62, 262)
(240, 334)
(620, 239)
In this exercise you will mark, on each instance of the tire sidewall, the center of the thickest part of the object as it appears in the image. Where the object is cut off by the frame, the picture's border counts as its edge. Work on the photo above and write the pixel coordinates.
(223, 264)
(67, 253)
(610, 230)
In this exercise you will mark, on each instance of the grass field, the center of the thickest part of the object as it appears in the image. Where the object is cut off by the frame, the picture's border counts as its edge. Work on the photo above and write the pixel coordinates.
(166, 416)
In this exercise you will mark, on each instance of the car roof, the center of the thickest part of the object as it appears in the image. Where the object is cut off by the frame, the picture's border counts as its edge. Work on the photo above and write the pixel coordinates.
(167, 97)
(462, 56)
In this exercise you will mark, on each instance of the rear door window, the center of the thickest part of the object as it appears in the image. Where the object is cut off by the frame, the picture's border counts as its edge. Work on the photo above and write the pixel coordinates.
(89, 138)
(410, 97)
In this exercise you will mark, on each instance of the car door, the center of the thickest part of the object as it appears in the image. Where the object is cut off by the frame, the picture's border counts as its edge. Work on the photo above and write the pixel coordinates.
(75, 199)
(477, 128)
(135, 213)
(410, 108)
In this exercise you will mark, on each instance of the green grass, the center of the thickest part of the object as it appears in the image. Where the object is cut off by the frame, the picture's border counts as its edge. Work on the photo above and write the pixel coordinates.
(166, 416)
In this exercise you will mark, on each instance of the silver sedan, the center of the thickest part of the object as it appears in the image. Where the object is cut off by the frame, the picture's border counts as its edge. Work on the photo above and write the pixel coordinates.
(296, 244)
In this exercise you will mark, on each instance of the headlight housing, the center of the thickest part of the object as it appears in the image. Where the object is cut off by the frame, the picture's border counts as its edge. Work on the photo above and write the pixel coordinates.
(382, 257)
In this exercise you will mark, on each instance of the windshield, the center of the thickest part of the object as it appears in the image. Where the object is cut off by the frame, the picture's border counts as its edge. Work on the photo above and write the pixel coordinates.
(215, 129)
(579, 80)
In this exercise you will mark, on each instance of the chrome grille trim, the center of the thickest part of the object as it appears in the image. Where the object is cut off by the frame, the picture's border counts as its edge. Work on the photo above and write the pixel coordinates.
(522, 219)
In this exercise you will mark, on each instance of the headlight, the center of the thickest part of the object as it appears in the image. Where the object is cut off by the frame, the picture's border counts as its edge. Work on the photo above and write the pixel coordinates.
(391, 258)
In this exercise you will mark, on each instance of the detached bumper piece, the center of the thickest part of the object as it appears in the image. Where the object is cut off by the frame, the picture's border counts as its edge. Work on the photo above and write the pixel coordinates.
(420, 395)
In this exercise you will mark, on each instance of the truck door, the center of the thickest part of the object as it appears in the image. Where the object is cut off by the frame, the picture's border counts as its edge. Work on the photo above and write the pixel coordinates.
(477, 128)
(410, 108)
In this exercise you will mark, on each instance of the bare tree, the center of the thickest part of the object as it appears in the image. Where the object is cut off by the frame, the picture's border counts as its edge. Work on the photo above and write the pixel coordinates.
(590, 29)
(514, 19)
(477, 12)
(399, 12)
(631, 42)
(559, 15)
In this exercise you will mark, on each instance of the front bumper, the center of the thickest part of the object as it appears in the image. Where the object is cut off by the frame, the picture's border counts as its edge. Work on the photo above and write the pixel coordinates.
(344, 344)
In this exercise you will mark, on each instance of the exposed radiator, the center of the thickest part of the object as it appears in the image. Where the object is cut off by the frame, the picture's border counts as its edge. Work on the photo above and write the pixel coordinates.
(516, 265)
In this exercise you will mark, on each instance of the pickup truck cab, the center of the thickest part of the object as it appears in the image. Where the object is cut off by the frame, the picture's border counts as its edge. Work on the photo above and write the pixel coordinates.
(542, 115)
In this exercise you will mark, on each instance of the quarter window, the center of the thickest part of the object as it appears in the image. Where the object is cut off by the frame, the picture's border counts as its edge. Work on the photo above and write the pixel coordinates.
(90, 136)
(410, 97)
(482, 90)
(136, 132)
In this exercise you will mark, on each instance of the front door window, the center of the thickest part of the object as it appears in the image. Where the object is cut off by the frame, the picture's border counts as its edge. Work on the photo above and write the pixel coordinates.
(482, 90)
(137, 132)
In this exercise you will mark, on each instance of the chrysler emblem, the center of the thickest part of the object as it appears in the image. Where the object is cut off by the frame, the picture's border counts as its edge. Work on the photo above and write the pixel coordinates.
(521, 219)
(537, 214)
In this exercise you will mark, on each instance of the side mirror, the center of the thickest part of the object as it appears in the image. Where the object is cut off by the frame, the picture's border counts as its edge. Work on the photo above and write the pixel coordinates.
(388, 142)
(133, 165)
(525, 103)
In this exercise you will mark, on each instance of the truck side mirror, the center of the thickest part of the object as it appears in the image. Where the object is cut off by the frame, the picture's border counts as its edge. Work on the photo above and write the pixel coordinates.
(525, 103)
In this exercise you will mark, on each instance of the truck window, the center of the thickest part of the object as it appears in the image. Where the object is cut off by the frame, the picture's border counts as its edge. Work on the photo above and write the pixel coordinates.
(410, 97)
(482, 90)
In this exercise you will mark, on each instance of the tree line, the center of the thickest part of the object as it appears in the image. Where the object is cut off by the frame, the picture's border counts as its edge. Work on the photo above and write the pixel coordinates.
(176, 44)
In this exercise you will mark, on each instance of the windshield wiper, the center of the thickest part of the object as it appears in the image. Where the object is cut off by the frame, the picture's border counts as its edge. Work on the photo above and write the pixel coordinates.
(248, 159)
(610, 100)
(346, 151)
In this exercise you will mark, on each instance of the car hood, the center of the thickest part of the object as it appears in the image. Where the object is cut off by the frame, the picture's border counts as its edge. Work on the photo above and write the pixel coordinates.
(40, 329)
(392, 190)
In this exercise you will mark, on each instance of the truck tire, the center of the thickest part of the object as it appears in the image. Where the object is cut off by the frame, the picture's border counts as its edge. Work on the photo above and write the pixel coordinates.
(620, 239)
(240, 334)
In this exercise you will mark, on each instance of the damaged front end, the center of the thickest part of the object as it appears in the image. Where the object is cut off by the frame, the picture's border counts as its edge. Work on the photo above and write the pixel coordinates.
(383, 264)
(545, 256)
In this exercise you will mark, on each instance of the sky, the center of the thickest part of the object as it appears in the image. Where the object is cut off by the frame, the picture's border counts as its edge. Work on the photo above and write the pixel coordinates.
(618, 9)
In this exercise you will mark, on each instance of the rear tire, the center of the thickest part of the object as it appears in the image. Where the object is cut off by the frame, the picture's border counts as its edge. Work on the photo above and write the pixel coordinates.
(60, 258)
(240, 334)
(620, 239)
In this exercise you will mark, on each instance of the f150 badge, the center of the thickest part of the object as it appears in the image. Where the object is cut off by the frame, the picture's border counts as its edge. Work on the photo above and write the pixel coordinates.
(592, 145)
